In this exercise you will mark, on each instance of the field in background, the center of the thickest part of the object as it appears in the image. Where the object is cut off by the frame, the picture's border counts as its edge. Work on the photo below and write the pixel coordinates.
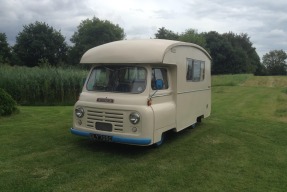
(249, 80)
(270, 94)
(42, 86)
(240, 147)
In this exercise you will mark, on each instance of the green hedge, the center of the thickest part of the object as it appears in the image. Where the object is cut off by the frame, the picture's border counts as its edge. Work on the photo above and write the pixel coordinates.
(7, 104)
(42, 86)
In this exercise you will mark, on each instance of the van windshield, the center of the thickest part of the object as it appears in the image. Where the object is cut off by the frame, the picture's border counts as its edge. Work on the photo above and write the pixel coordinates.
(121, 79)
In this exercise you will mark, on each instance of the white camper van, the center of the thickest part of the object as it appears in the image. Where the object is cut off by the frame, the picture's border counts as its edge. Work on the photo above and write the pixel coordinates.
(139, 89)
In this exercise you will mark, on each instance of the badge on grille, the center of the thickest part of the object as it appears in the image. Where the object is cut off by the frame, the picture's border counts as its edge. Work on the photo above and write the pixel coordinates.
(105, 100)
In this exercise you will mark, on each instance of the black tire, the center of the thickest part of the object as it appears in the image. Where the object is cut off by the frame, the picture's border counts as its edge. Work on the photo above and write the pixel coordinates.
(199, 119)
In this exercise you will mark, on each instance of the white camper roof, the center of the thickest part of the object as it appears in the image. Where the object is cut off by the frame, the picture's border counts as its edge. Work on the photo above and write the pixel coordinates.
(134, 51)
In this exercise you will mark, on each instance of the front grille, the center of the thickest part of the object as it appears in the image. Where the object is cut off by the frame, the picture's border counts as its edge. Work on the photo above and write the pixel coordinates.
(115, 118)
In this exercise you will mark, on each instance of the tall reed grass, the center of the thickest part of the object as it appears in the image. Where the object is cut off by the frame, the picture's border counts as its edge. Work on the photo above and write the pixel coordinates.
(42, 86)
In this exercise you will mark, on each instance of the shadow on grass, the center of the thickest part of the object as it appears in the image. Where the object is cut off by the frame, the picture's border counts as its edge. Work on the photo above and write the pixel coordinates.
(115, 149)
(172, 139)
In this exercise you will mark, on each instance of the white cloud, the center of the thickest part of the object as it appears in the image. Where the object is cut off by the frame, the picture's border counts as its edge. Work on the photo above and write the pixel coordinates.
(264, 21)
(277, 32)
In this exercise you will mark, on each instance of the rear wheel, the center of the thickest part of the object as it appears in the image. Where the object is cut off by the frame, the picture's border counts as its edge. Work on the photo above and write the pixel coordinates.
(198, 119)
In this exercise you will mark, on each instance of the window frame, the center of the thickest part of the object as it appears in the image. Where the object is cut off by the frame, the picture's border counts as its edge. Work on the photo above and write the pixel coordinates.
(132, 86)
(166, 87)
(191, 69)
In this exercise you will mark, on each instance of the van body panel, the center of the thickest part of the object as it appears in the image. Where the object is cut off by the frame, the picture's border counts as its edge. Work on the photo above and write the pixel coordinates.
(110, 114)
(134, 51)
(118, 116)
(116, 139)
(118, 98)
(193, 98)
(164, 114)
(164, 118)
(192, 105)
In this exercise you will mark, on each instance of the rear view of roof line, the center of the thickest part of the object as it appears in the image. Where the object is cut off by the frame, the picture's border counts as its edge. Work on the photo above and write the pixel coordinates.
(133, 51)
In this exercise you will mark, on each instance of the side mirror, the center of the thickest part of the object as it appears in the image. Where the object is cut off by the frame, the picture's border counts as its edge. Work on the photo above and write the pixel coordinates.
(159, 84)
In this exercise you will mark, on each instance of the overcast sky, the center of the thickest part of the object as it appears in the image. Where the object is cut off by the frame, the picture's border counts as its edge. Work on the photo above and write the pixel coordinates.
(264, 21)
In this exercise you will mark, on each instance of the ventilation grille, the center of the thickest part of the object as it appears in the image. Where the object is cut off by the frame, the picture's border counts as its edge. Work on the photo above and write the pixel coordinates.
(115, 118)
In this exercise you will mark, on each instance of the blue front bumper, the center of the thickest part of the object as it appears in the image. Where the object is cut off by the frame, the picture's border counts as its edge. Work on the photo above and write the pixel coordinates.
(116, 139)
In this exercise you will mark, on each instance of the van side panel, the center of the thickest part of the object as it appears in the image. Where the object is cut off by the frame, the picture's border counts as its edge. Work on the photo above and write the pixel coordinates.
(193, 99)
(164, 106)
(190, 106)
(164, 115)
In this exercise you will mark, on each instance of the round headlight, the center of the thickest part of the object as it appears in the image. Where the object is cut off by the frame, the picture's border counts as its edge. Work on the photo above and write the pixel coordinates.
(80, 112)
(134, 118)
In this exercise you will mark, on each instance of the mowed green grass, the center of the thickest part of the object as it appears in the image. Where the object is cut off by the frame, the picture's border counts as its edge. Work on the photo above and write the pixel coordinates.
(242, 146)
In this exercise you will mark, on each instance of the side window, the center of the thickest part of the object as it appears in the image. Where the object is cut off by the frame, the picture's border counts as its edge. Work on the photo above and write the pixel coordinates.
(195, 70)
(159, 74)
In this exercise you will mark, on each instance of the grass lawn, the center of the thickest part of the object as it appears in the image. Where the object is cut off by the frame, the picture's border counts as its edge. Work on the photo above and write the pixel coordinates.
(242, 146)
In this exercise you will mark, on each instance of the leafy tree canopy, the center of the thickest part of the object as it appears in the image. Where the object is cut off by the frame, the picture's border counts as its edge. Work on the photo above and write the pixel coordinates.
(91, 33)
(231, 53)
(37, 42)
(5, 52)
(220, 50)
(192, 36)
(275, 62)
(245, 58)
(163, 33)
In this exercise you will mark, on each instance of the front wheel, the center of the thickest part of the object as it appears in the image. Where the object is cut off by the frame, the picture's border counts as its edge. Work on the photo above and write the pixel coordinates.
(193, 126)
(159, 143)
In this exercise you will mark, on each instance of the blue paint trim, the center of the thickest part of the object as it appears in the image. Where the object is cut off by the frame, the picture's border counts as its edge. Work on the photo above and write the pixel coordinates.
(80, 133)
(117, 139)
(134, 141)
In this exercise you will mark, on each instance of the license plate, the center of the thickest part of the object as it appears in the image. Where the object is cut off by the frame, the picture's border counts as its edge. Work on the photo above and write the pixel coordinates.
(104, 126)
(104, 138)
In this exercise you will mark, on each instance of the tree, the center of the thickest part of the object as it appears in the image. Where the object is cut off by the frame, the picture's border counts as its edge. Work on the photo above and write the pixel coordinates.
(5, 51)
(275, 62)
(163, 33)
(245, 58)
(39, 42)
(91, 33)
(220, 50)
(261, 70)
(192, 36)
(231, 53)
